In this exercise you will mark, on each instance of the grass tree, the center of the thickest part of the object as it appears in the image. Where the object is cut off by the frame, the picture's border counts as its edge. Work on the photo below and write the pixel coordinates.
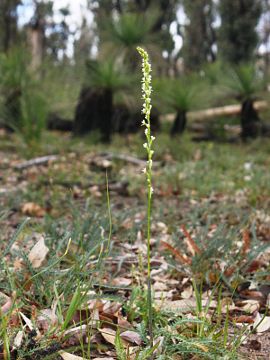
(13, 76)
(180, 96)
(245, 84)
(23, 107)
(95, 108)
(129, 30)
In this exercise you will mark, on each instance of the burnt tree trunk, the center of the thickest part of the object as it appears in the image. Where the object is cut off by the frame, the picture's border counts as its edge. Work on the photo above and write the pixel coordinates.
(87, 112)
(250, 120)
(56, 122)
(94, 112)
(127, 121)
(106, 113)
(180, 123)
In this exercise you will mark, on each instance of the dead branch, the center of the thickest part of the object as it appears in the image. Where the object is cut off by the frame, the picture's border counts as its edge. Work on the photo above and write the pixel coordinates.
(126, 158)
(228, 110)
(43, 160)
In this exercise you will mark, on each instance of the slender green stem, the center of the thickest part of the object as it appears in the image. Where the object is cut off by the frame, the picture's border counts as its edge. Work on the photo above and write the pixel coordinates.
(147, 90)
(149, 288)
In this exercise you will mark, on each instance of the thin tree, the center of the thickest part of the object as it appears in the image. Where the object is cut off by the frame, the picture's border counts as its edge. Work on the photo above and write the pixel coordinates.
(238, 37)
(8, 23)
(199, 34)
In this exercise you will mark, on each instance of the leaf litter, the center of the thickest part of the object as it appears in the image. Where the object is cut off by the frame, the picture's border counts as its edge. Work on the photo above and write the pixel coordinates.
(178, 257)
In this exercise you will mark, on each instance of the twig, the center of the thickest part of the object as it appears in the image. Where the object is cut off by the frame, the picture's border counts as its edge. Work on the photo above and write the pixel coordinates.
(43, 160)
(127, 158)
(119, 187)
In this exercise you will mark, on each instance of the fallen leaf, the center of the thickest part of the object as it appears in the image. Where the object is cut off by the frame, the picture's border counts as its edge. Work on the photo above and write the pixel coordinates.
(17, 342)
(67, 356)
(249, 306)
(121, 281)
(27, 321)
(246, 319)
(38, 253)
(261, 323)
(111, 308)
(6, 307)
(78, 331)
(45, 319)
(246, 242)
(159, 286)
(109, 335)
(254, 266)
(132, 337)
(123, 324)
(253, 294)
(183, 259)
(192, 246)
(187, 293)
(33, 209)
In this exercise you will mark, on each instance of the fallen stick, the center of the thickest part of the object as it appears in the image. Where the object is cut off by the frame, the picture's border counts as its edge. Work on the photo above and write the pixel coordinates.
(126, 158)
(120, 187)
(43, 160)
(228, 110)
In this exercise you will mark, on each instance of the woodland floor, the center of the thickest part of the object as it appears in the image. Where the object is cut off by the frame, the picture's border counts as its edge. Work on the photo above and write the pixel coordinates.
(211, 226)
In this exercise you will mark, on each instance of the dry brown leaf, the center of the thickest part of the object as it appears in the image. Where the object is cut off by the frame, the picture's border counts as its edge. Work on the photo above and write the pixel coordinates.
(109, 335)
(246, 242)
(131, 337)
(182, 258)
(123, 324)
(6, 307)
(230, 271)
(244, 319)
(66, 356)
(192, 246)
(187, 292)
(255, 265)
(38, 253)
(78, 331)
(249, 305)
(159, 286)
(33, 209)
(253, 294)
(121, 281)
(111, 308)
(45, 319)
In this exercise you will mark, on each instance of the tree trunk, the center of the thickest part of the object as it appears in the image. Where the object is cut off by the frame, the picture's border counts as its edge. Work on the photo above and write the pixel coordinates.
(94, 112)
(36, 40)
(106, 113)
(250, 120)
(128, 121)
(180, 123)
(87, 112)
